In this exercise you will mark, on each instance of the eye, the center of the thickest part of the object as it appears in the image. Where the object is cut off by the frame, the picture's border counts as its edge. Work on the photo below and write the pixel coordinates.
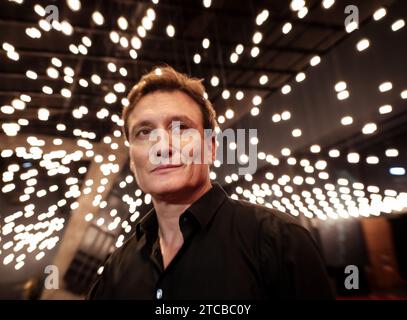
(142, 133)
(180, 126)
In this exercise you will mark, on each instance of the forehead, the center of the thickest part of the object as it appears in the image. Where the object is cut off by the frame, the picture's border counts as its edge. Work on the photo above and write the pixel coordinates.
(161, 105)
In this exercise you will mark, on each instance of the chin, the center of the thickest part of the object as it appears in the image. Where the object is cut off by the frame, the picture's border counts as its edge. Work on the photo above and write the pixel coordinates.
(167, 185)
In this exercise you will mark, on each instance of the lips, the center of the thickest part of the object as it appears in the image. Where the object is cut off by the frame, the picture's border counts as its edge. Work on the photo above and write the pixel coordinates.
(166, 167)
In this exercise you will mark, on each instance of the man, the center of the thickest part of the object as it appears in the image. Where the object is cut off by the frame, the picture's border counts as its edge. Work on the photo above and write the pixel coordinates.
(197, 243)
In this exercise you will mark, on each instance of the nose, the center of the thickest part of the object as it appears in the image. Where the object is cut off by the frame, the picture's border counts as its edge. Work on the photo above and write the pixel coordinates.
(165, 150)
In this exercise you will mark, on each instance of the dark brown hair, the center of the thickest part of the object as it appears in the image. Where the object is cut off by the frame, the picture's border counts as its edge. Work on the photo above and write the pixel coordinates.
(167, 79)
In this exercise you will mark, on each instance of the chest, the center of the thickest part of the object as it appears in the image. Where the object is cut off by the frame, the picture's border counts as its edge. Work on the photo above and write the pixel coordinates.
(194, 272)
(169, 252)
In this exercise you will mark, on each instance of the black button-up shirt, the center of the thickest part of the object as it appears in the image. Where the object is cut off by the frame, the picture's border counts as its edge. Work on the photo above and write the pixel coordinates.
(232, 250)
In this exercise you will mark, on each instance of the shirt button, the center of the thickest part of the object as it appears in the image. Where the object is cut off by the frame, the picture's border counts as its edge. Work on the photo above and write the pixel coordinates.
(159, 294)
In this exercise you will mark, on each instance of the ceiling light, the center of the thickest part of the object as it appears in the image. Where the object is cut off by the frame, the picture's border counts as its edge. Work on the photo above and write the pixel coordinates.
(170, 30)
(379, 14)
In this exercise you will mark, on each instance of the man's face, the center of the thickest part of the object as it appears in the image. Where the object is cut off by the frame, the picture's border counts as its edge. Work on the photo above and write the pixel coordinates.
(159, 112)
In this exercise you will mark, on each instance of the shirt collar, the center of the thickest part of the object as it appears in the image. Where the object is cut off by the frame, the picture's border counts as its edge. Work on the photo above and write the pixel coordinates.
(202, 209)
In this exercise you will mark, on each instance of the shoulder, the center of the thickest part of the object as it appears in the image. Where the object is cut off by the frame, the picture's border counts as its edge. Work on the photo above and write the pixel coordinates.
(267, 226)
(262, 216)
(103, 287)
(119, 257)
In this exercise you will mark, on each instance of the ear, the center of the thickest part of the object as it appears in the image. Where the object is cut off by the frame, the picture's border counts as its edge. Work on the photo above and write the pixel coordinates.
(132, 167)
(214, 146)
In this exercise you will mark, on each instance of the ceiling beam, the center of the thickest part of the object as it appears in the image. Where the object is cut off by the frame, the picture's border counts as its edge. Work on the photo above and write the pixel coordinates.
(144, 60)
(154, 37)
(231, 13)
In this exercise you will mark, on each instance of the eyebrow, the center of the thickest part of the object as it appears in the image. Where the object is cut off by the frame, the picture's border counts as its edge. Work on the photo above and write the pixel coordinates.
(181, 118)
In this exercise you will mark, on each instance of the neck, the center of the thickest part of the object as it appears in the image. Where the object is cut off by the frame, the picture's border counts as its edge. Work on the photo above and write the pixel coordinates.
(168, 213)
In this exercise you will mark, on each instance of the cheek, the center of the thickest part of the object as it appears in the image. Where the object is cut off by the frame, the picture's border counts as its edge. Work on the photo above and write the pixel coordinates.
(192, 146)
(139, 157)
